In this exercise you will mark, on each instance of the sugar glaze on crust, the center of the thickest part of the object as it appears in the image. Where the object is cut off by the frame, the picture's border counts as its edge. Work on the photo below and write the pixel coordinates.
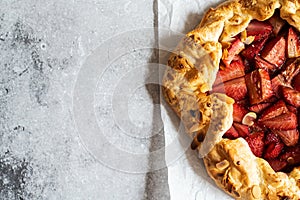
(191, 73)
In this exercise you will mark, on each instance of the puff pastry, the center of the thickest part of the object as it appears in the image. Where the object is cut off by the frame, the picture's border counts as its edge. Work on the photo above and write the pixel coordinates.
(193, 67)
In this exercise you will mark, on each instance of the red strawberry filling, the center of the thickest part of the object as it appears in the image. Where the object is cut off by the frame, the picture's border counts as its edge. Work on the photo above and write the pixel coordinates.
(259, 86)
(259, 30)
(253, 49)
(261, 63)
(296, 82)
(263, 77)
(293, 44)
(274, 51)
(229, 54)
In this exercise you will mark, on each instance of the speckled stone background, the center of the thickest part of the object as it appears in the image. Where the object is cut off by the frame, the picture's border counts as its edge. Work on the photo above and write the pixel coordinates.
(43, 45)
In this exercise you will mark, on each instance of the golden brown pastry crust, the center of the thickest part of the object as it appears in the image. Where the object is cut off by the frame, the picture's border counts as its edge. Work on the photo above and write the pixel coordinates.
(192, 70)
(244, 176)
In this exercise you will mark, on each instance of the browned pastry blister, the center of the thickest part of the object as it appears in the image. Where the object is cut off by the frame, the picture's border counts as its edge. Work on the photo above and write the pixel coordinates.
(191, 73)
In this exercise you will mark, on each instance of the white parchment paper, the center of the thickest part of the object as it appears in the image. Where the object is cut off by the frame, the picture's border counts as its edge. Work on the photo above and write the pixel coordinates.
(187, 176)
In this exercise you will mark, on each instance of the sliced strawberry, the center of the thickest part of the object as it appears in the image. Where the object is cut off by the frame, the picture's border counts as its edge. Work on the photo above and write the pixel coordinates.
(256, 143)
(284, 122)
(235, 48)
(256, 127)
(277, 23)
(231, 133)
(293, 44)
(296, 82)
(259, 29)
(277, 109)
(272, 99)
(259, 86)
(291, 70)
(238, 112)
(289, 137)
(291, 96)
(239, 63)
(253, 49)
(274, 51)
(243, 130)
(287, 75)
(235, 88)
(278, 81)
(273, 150)
(260, 63)
(292, 109)
(234, 70)
(277, 165)
(258, 108)
(272, 137)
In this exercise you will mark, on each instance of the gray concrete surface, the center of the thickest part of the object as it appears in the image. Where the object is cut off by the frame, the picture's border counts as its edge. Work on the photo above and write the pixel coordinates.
(43, 45)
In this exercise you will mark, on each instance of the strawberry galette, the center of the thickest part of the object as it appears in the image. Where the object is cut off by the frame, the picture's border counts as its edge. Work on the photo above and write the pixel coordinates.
(235, 83)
